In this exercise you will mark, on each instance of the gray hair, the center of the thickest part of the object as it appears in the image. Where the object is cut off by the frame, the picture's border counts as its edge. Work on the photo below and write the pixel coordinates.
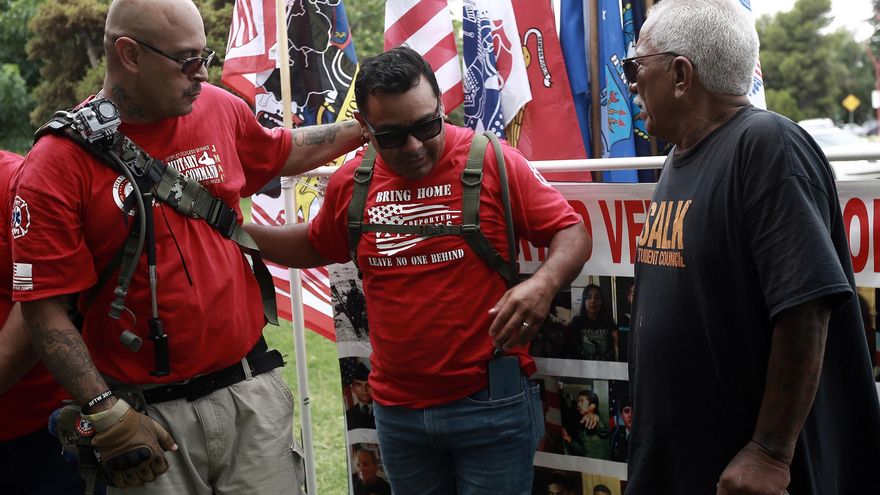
(717, 36)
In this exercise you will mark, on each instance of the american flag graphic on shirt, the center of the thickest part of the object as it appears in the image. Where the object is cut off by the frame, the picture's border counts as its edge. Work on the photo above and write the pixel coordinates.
(406, 214)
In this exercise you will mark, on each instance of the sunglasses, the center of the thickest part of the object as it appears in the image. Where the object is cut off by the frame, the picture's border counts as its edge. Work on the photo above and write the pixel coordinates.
(631, 65)
(189, 66)
(422, 131)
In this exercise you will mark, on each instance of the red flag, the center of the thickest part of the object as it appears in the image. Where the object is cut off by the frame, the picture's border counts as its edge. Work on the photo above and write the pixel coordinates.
(548, 125)
(426, 27)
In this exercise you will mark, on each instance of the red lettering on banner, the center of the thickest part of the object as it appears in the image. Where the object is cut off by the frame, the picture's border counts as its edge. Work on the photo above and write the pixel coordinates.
(633, 228)
(615, 232)
(855, 208)
(581, 208)
(876, 228)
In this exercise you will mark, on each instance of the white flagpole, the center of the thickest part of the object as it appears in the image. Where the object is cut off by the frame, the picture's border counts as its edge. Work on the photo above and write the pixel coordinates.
(296, 303)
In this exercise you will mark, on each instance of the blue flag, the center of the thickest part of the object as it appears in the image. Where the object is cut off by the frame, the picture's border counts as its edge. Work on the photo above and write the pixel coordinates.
(615, 100)
(573, 37)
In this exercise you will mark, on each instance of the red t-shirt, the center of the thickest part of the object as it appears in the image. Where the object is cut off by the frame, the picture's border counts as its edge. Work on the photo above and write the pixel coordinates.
(26, 406)
(428, 298)
(208, 299)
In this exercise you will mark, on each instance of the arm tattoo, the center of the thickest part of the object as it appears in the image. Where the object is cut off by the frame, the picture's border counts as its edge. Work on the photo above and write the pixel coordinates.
(124, 102)
(65, 354)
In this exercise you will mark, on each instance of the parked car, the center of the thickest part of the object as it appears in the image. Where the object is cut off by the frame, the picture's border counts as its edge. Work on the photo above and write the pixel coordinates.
(833, 139)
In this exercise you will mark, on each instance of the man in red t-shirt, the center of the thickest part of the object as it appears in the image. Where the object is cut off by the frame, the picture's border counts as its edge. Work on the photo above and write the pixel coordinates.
(437, 310)
(223, 406)
(30, 457)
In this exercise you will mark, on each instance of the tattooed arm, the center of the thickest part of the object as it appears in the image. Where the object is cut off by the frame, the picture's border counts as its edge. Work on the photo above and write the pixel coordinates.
(61, 347)
(317, 145)
(17, 356)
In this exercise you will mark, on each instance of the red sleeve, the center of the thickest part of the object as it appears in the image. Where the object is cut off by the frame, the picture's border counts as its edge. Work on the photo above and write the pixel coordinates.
(262, 151)
(539, 210)
(49, 252)
(328, 231)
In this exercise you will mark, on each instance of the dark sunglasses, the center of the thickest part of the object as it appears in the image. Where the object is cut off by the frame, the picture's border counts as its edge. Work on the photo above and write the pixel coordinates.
(631, 65)
(190, 65)
(422, 131)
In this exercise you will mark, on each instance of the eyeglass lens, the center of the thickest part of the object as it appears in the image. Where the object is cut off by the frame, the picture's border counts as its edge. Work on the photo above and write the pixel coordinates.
(631, 70)
(422, 132)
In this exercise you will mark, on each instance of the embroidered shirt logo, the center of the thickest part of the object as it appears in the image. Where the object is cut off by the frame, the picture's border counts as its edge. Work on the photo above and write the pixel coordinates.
(21, 217)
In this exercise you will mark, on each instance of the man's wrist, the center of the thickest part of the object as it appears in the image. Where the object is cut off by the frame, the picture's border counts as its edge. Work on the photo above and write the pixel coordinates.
(105, 419)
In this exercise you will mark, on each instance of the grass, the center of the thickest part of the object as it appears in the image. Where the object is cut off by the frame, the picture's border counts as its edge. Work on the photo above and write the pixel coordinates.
(325, 394)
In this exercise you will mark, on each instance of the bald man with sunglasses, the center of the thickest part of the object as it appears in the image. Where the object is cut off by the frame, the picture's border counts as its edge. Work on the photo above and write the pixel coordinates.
(437, 310)
(221, 407)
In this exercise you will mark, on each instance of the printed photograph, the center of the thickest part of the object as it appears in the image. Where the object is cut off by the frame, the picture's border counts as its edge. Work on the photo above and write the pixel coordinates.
(556, 482)
(367, 477)
(593, 334)
(349, 304)
(356, 393)
(550, 341)
(577, 417)
(595, 484)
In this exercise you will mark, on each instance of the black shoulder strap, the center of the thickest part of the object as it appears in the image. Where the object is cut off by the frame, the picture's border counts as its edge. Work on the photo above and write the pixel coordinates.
(469, 230)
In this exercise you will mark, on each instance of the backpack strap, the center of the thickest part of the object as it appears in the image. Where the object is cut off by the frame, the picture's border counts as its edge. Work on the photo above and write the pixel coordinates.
(471, 179)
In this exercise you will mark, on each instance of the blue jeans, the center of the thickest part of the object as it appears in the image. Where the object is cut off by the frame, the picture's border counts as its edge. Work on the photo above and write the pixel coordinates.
(466, 447)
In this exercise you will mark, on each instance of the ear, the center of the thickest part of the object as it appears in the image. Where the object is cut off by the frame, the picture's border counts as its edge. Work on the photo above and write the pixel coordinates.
(128, 52)
(365, 133)
(684, 75)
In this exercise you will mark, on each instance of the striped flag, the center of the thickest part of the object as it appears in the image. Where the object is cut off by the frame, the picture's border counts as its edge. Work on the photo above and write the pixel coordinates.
(426, 27)
(496, 84)
(322, 68)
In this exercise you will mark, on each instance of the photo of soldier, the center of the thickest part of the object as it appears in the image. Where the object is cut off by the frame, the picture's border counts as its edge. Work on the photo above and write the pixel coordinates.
(585, 423)
(349, 304)
(593, 334)
(550, 481)
(357, 394)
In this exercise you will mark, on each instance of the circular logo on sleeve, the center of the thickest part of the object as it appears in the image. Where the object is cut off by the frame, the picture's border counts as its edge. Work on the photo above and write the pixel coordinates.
(21, 217)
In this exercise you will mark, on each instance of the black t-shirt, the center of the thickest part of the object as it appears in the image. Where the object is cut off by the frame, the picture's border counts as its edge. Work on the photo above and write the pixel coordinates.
(741, 227)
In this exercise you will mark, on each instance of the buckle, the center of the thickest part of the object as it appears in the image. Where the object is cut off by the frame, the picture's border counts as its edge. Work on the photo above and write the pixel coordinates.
(221, 217)
(362, 175)
(469, 230)
(472, 177)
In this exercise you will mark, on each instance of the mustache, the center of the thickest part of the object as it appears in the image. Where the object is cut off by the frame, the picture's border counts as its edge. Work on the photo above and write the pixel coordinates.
(638, 101)
(196, 88)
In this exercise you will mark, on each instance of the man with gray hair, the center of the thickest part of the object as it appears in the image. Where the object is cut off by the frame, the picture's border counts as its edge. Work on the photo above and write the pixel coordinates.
(748, 363)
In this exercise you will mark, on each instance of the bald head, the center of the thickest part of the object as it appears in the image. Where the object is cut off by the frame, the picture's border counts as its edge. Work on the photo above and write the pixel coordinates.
(152, 20)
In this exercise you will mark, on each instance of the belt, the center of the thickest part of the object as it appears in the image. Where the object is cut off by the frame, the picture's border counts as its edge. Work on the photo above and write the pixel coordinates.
(259, 360)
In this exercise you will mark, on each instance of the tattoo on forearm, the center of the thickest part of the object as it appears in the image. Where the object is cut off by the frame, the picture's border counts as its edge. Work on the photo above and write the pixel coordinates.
(124, 102)
(66, 356)
(319, 135)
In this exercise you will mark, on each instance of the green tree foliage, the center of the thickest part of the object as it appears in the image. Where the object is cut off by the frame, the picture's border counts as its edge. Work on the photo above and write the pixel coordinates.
(796, 58)
(15, 134)
(17, 74)
(366, 18)
(68, 34)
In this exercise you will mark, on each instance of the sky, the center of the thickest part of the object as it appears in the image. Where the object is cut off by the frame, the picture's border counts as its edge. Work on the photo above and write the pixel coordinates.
(850, 14)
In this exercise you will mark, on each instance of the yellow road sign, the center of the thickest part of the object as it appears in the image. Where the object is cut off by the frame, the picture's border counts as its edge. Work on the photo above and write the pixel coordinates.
(850, 103)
